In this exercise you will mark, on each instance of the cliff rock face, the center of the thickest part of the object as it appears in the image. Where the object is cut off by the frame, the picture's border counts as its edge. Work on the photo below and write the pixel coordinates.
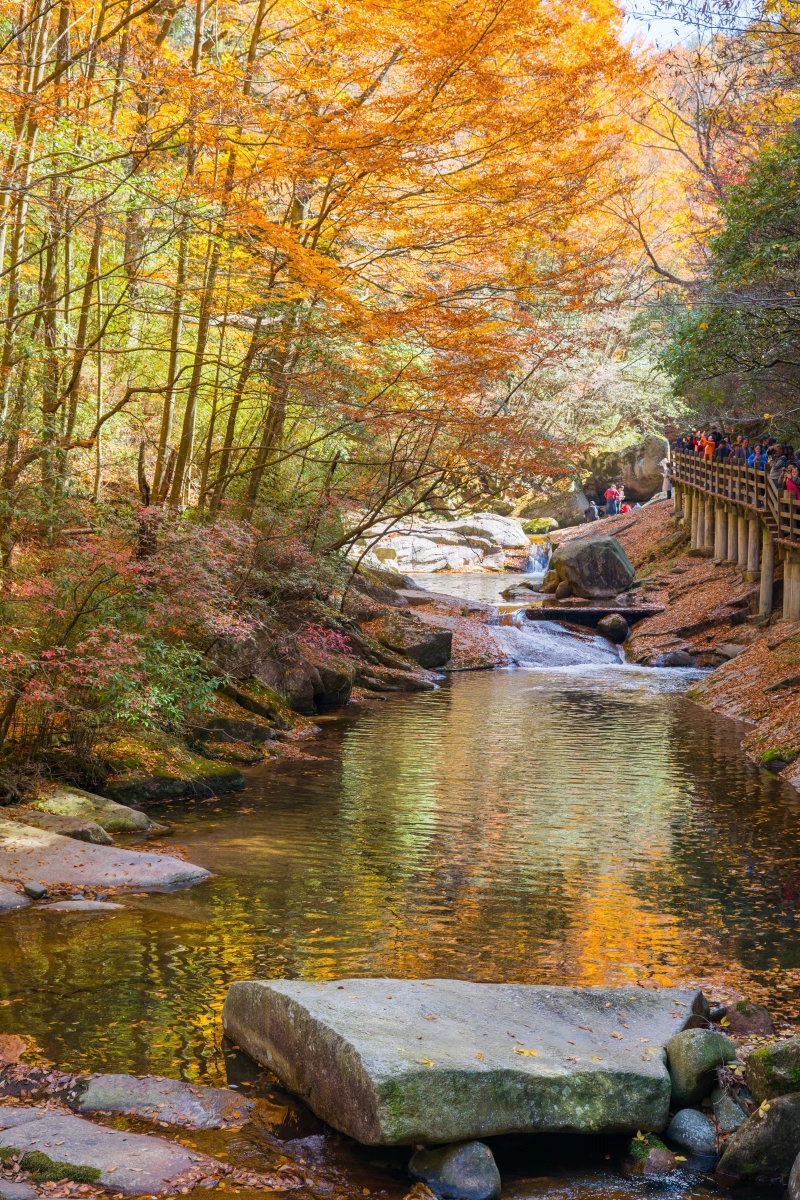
(638, 469)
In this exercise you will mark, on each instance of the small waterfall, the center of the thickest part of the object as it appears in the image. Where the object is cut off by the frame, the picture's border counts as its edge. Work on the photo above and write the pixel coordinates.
(548, 644)
(538, 559)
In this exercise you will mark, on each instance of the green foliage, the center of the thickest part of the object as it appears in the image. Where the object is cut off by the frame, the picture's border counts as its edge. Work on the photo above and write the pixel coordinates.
(740, 345)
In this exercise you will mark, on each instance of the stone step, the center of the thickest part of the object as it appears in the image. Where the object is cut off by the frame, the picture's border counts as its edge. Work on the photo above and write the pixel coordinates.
(170, 1101)
(396, 1061)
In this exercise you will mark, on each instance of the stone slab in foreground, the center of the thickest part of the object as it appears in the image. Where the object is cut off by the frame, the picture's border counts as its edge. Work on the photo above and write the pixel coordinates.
(130, 1162)
(392, 1061)
(30, 855)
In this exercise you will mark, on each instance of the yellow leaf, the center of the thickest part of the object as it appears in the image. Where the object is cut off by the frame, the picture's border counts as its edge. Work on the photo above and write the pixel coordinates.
(679, 1158)
(724, 1021)
(479, 1057)
(527, 1053)
(617, 1035)
(426, 1062)
(594, 1058)
(639, 1136)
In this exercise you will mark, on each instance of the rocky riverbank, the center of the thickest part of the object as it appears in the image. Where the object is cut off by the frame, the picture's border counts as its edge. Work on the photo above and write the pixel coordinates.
(709, 619)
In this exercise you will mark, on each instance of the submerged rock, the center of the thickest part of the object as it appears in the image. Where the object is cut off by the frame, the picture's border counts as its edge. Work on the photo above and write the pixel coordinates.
(694, 1056)
(64, 800)
(391, 1061)
(72, 827)
(11, 899)
(40, 858)
(81, 906)
(131, 1163)
(596, 567)
(692, 1131)
(764, 1150)
(774, 1070)
(462, 1172)
(169, 1100)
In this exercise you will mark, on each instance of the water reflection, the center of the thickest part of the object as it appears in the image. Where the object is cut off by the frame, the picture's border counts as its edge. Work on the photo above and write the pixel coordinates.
(512, 826)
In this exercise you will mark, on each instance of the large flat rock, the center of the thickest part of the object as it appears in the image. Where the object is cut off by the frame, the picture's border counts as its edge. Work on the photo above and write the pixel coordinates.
(130, 1162)
(169, 1100)
(11, 899)
(29, 855)
(392, 1061)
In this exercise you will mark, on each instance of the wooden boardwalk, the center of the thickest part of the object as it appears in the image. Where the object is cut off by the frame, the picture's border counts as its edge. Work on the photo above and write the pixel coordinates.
(735, 513)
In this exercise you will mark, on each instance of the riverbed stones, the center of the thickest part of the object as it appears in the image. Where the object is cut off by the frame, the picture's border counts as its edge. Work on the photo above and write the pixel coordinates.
(461, 1172)
(62, 799)
(774, 1070)
(727, 1113)
(168, 1100)
(11, 899)
(648, 1156)
(746, 1018)
(594, 566)
(38, 857)
(694, 1056)
(72, 827)
(80, 906)
(763, 1151)
(131, 1163)
(391, 1061)
(692, 1131)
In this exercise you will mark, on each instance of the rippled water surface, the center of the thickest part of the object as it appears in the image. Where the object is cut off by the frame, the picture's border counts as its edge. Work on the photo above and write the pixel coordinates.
(572, 826)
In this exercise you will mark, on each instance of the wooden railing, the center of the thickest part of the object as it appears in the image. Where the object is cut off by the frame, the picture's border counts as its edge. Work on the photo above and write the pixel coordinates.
(737, 483)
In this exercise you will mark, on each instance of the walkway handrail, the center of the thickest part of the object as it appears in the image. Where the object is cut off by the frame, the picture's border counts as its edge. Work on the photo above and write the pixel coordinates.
(749, 487)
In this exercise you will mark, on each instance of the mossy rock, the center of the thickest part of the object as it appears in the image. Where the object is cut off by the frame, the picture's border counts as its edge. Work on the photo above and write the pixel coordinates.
(256, 697)
(64, 800)
(154, 766)
(539, 525)
(774, 1070)
(764, 1149)
(694, 1056)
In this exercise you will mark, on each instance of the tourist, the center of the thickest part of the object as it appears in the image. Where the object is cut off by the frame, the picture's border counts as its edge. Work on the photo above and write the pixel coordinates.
(612, 497)
(666, 477)
(739, 451)
(625, 508)
(592, 513)
(778, 463)
(793, 483)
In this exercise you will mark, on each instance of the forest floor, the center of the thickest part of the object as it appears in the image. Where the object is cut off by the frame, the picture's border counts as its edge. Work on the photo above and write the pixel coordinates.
(708, 607)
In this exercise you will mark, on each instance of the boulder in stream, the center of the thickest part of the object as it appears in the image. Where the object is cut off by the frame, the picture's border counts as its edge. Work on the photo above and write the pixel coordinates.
(693, 1131)
(131, 1163)
(596, 567)
(774, 1070)
(764, 1149)
(463, 1172)
(614, 627)
(11, 899)
(36, 856)
(398, 1061)
(65, 800)
(72, 827)
(694, 1056)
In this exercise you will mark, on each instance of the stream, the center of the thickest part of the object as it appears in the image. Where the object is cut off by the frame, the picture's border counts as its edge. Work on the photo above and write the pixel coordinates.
(571, 821)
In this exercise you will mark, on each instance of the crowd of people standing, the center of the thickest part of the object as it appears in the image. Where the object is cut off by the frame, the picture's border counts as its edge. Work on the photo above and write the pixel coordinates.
(777, 459)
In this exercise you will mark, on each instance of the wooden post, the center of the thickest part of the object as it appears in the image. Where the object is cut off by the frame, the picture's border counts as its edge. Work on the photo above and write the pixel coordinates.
(753, 547)
(733, 535)
(767, 573)
(788, 580)
(677, 498)
(742, 555)
(794, 589)
(720, 532)
(708, 535)
(692, 517)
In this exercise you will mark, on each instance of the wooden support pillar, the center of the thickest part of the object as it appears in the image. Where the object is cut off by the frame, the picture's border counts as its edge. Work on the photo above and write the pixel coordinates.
(708, 535)
(741, 557)
(788, 572)
(692, 516)
(767, 573)
(677, 498)
(732, 535)
(753, 546)
(720, 532)
(794, 587)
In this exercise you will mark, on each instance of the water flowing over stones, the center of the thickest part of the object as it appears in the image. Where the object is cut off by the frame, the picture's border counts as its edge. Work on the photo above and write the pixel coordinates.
(407, 1061)
(547, 644)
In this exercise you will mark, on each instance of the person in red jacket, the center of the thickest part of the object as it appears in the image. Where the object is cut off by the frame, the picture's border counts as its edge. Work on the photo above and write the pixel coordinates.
(612, 498)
